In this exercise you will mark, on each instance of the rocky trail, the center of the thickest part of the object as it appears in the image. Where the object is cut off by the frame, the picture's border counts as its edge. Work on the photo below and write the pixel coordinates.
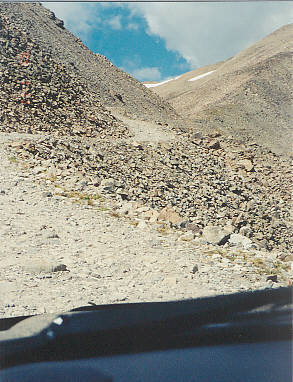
(59, 252)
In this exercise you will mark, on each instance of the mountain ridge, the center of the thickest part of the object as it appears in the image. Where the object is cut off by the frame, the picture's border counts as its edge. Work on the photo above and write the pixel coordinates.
(113, 87)
(249, 96)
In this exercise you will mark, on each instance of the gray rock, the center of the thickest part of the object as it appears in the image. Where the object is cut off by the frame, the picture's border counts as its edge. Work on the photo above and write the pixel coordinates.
(47, 194)
(214, 144)
(262, 244)
(245, 231)
(59, 268)
(237, 240)
(215, 234)
(247, 164)
(192, 227)
(107, 186)
(41, 265)
(195, 269)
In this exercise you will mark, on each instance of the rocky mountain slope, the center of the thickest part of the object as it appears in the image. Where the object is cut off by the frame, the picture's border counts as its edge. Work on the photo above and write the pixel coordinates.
(207, 189)
(247, 96)
(39, 94)
(113, 87)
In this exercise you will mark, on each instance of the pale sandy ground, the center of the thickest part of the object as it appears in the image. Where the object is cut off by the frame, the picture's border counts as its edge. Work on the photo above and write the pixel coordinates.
(108, 260)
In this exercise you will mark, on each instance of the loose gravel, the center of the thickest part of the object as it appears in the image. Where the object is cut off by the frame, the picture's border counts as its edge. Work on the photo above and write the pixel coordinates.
(57, 255)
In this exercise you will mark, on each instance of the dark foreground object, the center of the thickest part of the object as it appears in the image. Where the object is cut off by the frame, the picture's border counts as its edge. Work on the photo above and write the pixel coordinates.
(239, 337)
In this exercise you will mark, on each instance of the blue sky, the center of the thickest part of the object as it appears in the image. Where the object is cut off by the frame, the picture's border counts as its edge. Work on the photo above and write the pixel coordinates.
(156, 41)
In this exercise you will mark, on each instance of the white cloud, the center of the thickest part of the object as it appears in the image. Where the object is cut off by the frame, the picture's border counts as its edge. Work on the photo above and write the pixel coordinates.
(147, 74)
(201, 33)
(204, 33)
(115, 22)
(78, 17)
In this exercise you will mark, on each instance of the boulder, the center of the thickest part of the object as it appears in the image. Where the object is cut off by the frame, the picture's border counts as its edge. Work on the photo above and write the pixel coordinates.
(237, 240)
(168, 214)
(247, 164)
(216, 234)
(107, 186)
(214, 144)
(41, 265)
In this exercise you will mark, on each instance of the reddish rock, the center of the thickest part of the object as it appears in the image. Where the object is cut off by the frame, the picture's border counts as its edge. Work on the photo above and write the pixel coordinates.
(168, 214)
